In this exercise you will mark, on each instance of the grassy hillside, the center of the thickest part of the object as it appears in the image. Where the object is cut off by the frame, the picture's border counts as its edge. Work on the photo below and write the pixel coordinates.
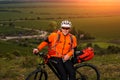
(17, 60)
(18, 69)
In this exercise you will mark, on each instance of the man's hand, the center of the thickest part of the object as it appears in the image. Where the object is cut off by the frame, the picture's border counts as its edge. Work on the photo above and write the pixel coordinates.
(66, 57)
(35, 51)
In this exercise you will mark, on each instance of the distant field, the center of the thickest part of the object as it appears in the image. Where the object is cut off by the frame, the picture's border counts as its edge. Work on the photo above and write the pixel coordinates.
(103, 24)
(100, 27)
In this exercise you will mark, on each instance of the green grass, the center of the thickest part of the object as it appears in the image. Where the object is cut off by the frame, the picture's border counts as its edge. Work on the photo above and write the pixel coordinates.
(105, 44)
(7, 48)
(17, 68)
(108, 66)
(35, 24)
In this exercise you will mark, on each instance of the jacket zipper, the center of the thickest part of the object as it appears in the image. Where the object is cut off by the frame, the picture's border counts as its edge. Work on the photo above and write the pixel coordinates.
(64, 44)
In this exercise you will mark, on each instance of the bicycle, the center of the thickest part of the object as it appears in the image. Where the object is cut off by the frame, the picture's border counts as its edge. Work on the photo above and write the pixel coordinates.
(84, 71)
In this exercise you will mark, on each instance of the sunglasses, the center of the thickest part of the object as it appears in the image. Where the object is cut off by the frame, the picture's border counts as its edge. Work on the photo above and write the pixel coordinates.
(65, 28)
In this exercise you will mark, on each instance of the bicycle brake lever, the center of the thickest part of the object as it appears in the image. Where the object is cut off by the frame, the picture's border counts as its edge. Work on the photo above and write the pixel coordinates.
(41, 53)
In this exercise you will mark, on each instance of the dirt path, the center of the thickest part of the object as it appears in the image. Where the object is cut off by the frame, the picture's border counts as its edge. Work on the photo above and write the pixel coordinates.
(42, 35)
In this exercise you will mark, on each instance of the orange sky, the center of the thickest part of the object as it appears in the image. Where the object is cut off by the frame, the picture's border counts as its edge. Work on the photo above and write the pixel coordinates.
(101, 3)
(105, 6)
(96, 0)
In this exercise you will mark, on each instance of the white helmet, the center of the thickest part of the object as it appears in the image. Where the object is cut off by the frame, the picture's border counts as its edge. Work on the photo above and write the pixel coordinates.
(66, 23)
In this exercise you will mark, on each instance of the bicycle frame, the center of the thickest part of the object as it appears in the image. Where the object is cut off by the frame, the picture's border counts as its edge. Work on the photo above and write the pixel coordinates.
(53, 69)
(49, 63)
(79, 74)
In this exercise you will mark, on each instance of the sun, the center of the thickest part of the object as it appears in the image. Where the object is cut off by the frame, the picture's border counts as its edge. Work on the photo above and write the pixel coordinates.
(100, 0)
(106, 0)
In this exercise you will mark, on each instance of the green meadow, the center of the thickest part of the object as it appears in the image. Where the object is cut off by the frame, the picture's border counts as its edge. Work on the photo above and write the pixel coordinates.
(17, 59)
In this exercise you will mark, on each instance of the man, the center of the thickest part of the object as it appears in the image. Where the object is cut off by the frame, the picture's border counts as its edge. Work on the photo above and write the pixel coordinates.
(61, 45)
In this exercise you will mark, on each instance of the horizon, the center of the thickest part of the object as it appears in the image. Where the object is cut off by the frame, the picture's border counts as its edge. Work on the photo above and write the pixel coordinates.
(93, 2)
(93, 5)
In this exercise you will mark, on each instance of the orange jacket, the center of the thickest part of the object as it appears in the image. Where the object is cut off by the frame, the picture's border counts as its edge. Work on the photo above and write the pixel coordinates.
(59, 48)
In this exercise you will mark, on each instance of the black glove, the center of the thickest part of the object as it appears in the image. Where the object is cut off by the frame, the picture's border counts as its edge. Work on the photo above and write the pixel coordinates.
(77, 53)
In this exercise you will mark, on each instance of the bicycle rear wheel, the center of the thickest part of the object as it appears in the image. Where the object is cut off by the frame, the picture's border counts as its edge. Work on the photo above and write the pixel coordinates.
(87, 71)
(37, 75)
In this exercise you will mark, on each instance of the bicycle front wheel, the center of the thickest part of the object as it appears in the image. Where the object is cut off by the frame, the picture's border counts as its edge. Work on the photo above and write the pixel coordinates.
(87, 71)
(37, 75)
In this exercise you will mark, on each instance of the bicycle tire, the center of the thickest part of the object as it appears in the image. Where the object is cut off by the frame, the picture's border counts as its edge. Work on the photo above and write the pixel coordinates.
(38, 74)
(87, 71)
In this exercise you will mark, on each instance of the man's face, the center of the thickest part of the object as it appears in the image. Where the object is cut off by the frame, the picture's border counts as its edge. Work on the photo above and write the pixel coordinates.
(65, 30)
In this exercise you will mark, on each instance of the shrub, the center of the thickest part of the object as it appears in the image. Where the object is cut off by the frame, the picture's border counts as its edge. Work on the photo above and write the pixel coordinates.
(108, 50)
(89, 45)
(8, 56)
(113, 49)
(16, 53)
(28, 61)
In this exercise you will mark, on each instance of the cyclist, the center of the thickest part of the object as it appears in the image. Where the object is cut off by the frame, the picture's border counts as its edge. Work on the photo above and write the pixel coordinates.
(61, 45)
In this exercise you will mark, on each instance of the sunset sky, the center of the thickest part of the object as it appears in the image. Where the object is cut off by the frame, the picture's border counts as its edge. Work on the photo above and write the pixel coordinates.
(109, 5)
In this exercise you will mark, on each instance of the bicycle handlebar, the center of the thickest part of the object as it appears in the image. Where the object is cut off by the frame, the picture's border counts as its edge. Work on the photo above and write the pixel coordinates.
(76, 53)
